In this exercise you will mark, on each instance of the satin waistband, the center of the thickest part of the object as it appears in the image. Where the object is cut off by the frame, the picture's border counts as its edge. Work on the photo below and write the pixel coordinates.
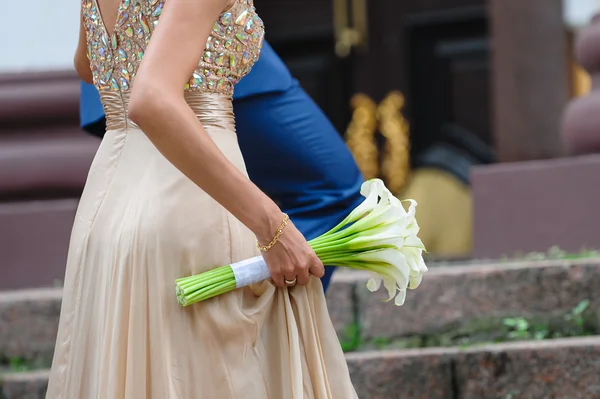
(211, 109)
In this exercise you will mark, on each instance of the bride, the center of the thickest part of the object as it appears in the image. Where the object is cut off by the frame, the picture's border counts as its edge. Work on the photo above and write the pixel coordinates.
(168, 196)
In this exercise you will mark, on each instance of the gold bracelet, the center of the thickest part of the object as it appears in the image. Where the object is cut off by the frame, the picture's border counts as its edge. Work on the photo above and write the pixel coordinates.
(265, 248)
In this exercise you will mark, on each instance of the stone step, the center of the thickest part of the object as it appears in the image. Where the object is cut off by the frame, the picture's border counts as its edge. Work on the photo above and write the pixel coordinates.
(28, 325)
(561, 368)
(455, 301)
(24, 385)
(450, 299)
(461, 297)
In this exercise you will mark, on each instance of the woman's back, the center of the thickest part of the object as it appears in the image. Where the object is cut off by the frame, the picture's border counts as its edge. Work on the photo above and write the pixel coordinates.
(118, 33)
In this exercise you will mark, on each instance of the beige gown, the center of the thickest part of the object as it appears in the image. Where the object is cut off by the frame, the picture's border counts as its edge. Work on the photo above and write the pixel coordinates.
(141, 224)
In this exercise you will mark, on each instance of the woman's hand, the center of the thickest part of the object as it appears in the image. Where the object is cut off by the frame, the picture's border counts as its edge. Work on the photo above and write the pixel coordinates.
(292, 259)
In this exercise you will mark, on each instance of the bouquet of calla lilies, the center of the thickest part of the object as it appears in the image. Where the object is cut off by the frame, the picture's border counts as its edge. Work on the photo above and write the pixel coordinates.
(379, 236)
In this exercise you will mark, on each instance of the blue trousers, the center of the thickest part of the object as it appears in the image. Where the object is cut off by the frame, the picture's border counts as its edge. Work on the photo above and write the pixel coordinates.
(295, 155)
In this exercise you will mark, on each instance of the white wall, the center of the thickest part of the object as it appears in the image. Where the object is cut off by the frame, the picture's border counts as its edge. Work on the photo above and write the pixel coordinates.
(38, 34)
(578, 12)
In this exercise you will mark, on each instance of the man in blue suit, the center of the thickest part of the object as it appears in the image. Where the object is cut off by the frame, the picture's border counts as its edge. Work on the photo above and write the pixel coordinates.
(292, 151)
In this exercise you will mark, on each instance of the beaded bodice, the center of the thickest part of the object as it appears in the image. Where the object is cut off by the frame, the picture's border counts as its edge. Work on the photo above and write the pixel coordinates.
(232, 47)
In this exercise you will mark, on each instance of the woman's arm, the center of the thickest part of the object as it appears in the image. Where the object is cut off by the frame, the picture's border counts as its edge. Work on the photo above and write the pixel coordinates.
(157, 105)
(81, 61)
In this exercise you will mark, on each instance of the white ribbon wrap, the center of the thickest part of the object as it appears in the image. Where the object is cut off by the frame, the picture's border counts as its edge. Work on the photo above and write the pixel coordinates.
(250, 271)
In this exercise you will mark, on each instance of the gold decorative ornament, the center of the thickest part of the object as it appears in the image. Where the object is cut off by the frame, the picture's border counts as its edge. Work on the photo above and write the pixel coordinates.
(360, 135)
(361, 138)
(395, 164)
(350, 26)
(580, 79)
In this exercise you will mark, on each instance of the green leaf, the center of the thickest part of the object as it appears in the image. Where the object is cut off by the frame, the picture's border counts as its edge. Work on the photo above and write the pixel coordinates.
(579, 309)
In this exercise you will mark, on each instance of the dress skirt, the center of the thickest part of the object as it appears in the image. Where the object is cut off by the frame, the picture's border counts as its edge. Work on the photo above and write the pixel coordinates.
(140, 225)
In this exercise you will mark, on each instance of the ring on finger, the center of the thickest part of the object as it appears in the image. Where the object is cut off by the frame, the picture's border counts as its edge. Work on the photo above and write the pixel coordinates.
(290, 283)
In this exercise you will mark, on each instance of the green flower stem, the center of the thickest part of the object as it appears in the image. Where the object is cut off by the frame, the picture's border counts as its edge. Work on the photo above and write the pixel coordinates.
(199, 284)
(210, 292)
(199, 289)
(340, 225)
(207, 278)
(349, 248)
(206, 285)
(327, 238)
(324, 255)
(329, 243)
(201, 294)
(217, 273)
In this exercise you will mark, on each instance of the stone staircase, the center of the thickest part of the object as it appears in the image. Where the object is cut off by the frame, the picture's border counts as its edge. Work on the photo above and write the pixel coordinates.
(504, 330)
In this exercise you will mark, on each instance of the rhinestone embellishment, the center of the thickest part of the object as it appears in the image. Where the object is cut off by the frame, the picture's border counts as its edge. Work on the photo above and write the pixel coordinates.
(229, 53)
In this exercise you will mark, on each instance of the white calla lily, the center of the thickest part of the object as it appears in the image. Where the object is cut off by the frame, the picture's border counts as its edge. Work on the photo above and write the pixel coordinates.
(370, 189)
(380, 216)
(379, 237)
(387, 198)
(392, 268)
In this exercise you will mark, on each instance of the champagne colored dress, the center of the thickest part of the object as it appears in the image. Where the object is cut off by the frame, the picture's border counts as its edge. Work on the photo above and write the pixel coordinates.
(141, 224)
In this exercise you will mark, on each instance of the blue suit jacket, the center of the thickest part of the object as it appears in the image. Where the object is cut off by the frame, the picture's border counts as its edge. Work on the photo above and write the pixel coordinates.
(269, 74)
